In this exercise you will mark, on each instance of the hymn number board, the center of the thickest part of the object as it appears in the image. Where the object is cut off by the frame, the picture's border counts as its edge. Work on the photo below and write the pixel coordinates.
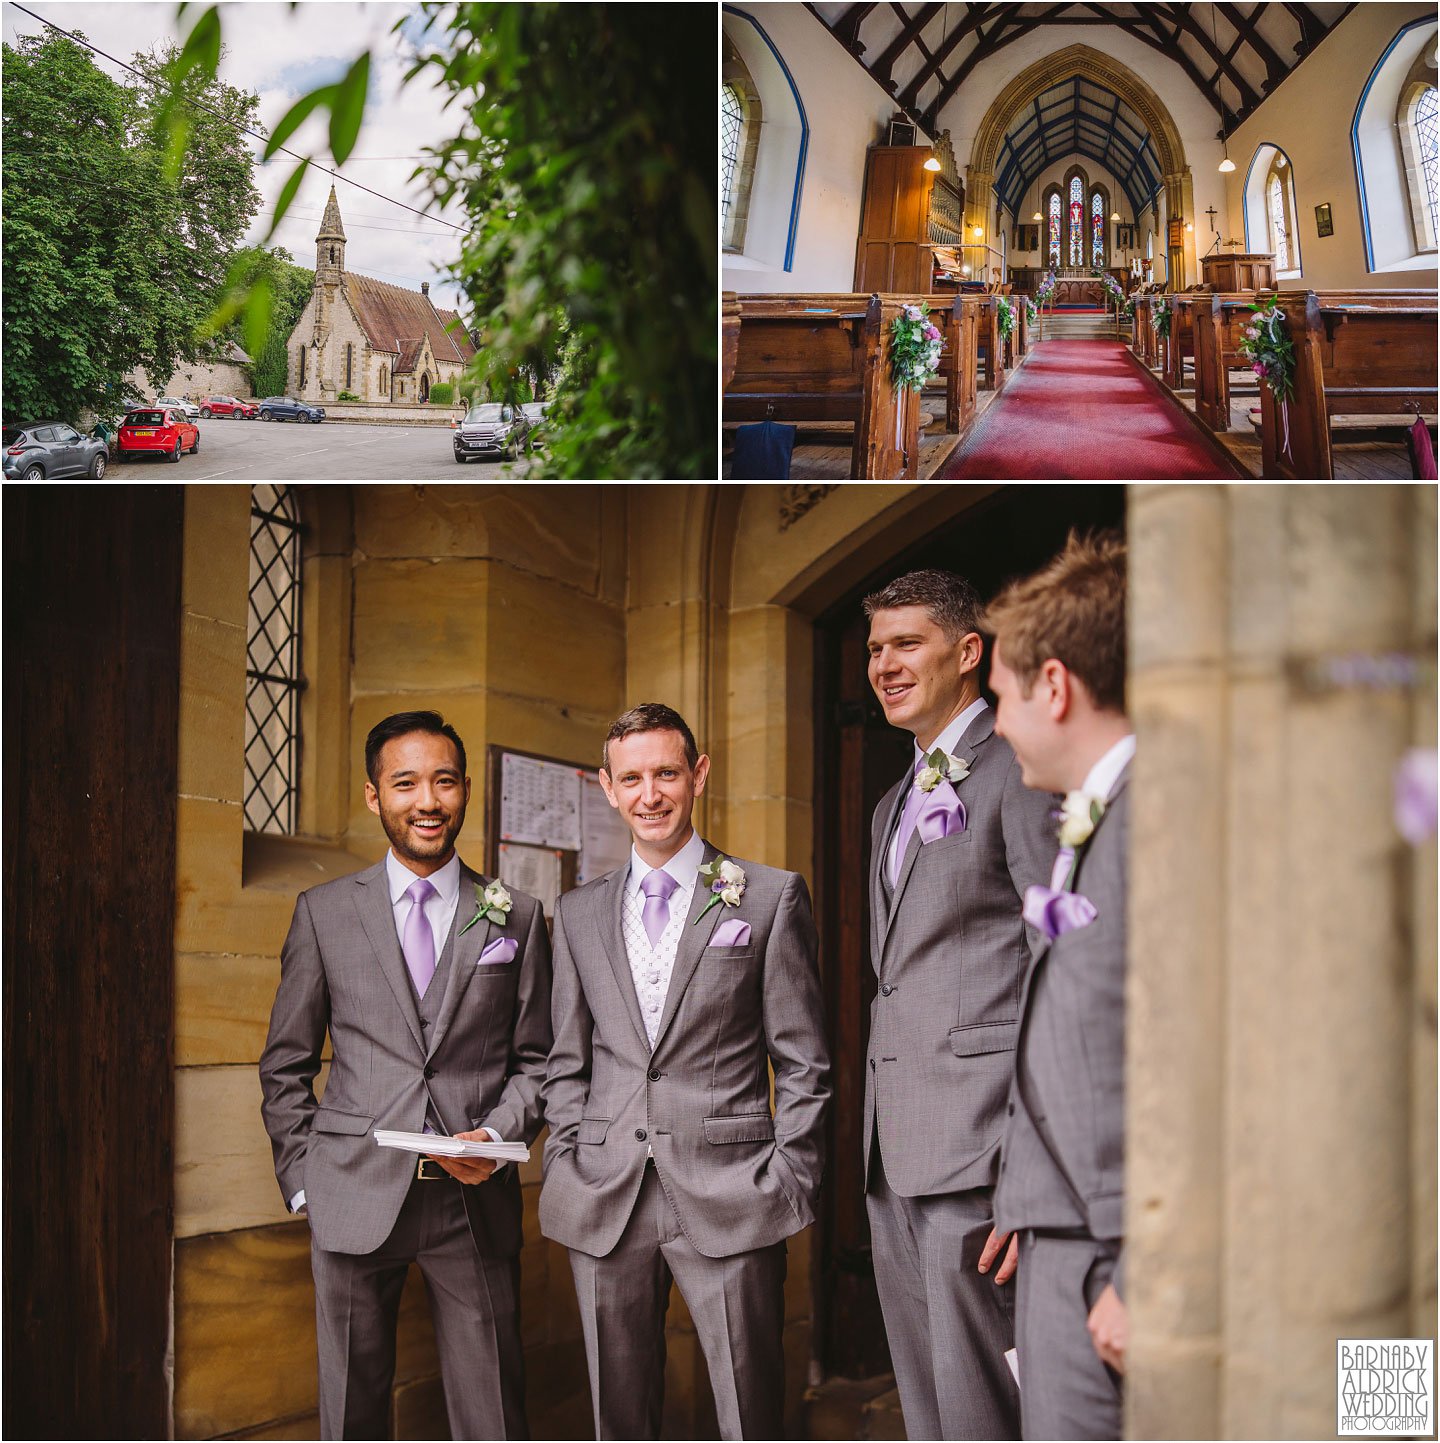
(548, 827)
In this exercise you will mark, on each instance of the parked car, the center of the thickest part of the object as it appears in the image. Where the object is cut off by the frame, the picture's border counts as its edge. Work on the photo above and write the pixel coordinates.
(188, 409)
(492, 428)
(224, 406)
(157, 430)
(47, 450)
(535, 412)
(287, 408)
(247, 410)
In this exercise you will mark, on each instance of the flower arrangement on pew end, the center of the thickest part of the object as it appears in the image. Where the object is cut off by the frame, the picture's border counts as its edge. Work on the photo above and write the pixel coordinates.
(1268, 348)
(1117, 294)
(1031, 312)
(914, 348)
(1046, 290)
(1005, 312)
(1160, 314)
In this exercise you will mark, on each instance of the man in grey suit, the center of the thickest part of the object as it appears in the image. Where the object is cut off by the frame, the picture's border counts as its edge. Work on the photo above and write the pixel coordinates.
(954, 845)
(681, 979)
(434, 985)
(1059, 675)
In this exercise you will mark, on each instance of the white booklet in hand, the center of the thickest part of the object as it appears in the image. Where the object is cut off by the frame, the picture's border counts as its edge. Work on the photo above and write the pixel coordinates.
(436, 1144)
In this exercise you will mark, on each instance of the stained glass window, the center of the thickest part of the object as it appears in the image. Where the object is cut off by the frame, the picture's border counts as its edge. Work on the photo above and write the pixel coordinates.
(1097, 230)
(1054, 247)
(1425, 135)
(1278, 236)
(272, 661)
(1077, 222)
(731, 119)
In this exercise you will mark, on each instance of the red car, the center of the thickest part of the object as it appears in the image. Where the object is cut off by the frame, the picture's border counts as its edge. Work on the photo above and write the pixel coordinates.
(162, 431)
(227, 406)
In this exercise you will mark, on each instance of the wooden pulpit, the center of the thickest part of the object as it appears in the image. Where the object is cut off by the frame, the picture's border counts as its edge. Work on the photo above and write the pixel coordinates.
(1235, 271)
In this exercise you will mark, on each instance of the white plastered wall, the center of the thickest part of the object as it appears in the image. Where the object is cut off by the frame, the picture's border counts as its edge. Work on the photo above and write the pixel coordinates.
(847, 113)
(1309, 118)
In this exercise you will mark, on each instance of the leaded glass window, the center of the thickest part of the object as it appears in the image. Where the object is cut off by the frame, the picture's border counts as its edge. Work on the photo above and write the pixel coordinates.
(1278, 237)
(1097, 230)
(272, 661)
(1054, 247)
(1077, 222)
(1425, 137)
(731, 120)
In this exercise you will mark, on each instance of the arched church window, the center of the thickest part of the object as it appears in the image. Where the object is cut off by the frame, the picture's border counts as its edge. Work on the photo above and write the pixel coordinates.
(1279, 231)
(1417, 124)
(1149, 245)
(1053, 250)
(332, 255)
(1097, 229)
(1425, 142)
(349, 362)
(272, 661)
(1077, 221)
(732, 120)
(302, 367)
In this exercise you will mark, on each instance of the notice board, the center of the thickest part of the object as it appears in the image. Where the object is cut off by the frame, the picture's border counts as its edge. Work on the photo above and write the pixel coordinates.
(548, 826)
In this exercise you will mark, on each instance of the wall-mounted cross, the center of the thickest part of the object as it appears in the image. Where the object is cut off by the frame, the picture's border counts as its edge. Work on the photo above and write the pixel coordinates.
(1211, 213)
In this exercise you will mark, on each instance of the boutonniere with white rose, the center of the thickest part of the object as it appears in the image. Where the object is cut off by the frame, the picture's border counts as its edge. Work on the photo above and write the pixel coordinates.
(491, 905)
(1080, 813)
(939, 767)
(725, 880)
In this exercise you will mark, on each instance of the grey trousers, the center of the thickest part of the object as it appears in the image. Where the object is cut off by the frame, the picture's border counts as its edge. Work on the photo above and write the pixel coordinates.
(949, 1326)
(1065, 1390)
(474, 1302)
(737, 1304)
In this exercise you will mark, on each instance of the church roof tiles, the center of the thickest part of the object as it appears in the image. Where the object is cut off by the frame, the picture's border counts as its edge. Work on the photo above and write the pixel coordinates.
(396, 320)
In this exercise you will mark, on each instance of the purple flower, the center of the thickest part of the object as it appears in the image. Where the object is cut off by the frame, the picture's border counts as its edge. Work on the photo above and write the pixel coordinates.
(931, 334)
(1417, 781)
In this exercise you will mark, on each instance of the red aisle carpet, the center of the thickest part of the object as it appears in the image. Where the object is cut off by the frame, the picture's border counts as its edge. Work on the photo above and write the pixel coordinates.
(1085, 411)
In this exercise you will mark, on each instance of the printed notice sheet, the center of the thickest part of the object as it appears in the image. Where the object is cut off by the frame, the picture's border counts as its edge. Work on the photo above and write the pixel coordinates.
(535, 870)
(604, 838)
(539, 803)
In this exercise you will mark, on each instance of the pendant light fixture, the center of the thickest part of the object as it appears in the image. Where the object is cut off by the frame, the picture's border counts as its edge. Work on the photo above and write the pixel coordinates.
(933, 163)
(1227, 164)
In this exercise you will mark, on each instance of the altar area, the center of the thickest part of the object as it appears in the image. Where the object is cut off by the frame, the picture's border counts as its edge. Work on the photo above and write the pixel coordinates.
(1073, 287)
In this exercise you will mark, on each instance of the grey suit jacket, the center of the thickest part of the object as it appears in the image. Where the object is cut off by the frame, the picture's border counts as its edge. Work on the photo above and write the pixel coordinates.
(738, 1178)
(951, 953)
(1064, 1150)
(343, 969)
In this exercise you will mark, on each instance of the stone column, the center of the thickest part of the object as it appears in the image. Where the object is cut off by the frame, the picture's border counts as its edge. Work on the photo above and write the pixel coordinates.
(979, 204)
(1281, 1067)
(1180, 202)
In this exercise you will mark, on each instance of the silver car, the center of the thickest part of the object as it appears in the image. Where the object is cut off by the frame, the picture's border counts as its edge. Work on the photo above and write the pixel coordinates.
(188, 409)
(492, 428)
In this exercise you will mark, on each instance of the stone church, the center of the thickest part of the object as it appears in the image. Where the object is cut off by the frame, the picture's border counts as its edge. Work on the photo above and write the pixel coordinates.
(1094, 203)
(190, 684)
(379, 341)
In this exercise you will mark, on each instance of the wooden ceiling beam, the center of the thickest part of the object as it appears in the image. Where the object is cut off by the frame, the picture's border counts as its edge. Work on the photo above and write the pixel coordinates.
(973, 19)
(901, 43)
(847, 28)
(988, 45)
(1275, 68)
(1312, 29)
(1187, 25)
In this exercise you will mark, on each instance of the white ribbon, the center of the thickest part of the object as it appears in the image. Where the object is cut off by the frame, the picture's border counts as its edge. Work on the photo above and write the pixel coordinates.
(1285, 418)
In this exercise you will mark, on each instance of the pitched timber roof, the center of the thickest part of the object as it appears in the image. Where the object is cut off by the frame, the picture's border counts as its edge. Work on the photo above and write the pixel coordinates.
(396, 320)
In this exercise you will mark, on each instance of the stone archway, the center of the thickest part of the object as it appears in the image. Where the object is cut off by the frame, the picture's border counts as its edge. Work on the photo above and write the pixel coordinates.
(1104, 70)
(424, 385)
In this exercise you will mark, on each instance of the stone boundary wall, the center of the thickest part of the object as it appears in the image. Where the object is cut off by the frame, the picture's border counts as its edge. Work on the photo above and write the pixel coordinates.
(384, 413)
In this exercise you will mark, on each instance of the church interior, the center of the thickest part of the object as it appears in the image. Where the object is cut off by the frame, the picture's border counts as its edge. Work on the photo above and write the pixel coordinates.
(190, 675)
(1078, 242)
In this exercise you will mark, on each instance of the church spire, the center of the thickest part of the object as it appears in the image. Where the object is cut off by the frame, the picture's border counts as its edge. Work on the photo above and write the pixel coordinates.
(330, 244)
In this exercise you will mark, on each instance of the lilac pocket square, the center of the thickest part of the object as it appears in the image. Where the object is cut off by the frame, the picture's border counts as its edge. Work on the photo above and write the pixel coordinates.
(502, 949)
(731, 933)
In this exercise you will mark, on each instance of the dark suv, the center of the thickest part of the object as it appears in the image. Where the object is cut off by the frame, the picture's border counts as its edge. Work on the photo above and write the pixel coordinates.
(287, 408)
(492, 428)
(50, 449)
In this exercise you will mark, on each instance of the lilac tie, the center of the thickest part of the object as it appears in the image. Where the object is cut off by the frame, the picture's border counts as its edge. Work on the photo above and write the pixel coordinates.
(419, 941)
(657, 887)
(908, 818)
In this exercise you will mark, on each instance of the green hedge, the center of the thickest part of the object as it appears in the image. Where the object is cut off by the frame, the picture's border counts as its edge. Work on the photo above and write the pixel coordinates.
(442, 393)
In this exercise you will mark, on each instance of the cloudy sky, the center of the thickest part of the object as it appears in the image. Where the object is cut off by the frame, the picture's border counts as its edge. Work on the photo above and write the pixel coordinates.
(280, 54)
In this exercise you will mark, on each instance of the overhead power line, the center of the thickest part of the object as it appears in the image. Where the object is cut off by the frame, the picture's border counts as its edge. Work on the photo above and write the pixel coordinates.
(244, 130)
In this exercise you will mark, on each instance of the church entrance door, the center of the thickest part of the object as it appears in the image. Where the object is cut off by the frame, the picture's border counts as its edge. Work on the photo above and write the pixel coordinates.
(424, 388)
(858, 757)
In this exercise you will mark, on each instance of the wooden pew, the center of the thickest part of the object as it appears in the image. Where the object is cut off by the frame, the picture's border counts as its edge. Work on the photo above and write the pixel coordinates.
(956, 318)
(729, 335)
(1365, 355)
(1180, 344)
(1219, 329)
(1021, 334)
(993, 369)
(811, 364)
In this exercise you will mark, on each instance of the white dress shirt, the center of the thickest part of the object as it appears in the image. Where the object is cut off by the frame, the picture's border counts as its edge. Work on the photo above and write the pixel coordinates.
(1101, 778)
(651, 965)
(949, 739)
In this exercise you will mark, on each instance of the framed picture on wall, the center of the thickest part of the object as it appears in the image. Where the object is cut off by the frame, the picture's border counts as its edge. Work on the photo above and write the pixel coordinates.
(1027, 237)
(1324, 225)
(1125, 237)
